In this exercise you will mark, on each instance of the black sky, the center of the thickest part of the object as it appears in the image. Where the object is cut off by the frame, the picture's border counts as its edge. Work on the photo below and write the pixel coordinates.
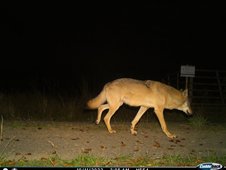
(110, 41)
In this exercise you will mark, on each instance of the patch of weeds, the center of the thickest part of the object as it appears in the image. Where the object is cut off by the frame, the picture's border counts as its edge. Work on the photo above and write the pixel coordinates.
(121, 160)
(198, 121)
(174, 160)
(90, 160)
(142, 161)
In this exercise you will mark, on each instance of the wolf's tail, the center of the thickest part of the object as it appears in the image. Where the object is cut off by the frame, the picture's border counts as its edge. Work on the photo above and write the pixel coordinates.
(97, 101)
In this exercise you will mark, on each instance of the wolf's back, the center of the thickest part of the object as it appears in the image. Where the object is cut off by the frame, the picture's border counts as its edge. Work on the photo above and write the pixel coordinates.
(97, 101)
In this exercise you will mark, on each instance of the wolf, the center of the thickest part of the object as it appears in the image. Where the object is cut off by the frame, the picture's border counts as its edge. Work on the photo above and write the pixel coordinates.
(139, 93)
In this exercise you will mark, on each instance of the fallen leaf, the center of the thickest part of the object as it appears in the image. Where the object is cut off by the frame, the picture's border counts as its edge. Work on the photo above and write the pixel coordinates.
(11, 163)
(68, 164)
(103, 147)
(171, 140)
(87, 150)
(123, 144)
(75, 138)
(139, 142)
(177, 140)
(44, 159)
(156, 144)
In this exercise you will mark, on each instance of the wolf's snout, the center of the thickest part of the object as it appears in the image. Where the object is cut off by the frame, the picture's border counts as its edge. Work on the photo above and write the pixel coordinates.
(189, 112)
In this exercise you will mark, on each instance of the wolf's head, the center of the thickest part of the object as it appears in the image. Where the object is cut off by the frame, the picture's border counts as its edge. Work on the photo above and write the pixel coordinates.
(186, 107)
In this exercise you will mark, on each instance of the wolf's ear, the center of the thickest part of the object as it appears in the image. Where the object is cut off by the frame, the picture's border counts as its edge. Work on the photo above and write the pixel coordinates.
(185, 93)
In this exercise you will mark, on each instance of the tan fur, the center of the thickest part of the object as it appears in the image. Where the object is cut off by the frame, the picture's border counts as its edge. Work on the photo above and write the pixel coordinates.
(146, 94)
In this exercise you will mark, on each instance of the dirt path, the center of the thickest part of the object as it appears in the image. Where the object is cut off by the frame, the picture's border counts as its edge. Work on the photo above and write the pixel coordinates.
(38, 140)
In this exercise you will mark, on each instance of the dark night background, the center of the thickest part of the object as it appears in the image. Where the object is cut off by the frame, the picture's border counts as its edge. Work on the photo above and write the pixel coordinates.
(54, 57)
(97, 43)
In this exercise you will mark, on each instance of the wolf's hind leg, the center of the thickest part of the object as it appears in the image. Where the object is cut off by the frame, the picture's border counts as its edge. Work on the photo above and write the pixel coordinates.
(141, 111)
(100, 111)
(107, 118)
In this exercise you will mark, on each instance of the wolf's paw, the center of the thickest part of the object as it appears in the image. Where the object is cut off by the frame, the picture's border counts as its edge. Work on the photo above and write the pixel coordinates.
(112, 131)
(133, 132)
(172, 136)
(97, 122)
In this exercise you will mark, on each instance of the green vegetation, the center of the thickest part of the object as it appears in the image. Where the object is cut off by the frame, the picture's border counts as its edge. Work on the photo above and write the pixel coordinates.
(198, 121)
(36, 105)
(89, 160)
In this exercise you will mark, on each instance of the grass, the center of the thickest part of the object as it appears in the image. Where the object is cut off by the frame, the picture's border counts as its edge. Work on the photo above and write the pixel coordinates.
(37, 105)
(198, 121)
(93, 161)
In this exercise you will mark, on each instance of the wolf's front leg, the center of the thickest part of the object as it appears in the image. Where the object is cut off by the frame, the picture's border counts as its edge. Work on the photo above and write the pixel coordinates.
(159, 113)
(171, 136)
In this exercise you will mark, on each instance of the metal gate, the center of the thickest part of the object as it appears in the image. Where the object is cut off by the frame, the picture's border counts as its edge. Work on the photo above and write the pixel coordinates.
(207, 88)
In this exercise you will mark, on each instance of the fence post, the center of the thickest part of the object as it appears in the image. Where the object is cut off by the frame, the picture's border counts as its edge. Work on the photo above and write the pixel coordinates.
(190, 90)
(186, 83)
(219, 86)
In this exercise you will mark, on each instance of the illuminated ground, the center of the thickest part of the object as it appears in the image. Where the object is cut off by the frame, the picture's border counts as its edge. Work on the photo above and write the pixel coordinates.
(40, 140)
